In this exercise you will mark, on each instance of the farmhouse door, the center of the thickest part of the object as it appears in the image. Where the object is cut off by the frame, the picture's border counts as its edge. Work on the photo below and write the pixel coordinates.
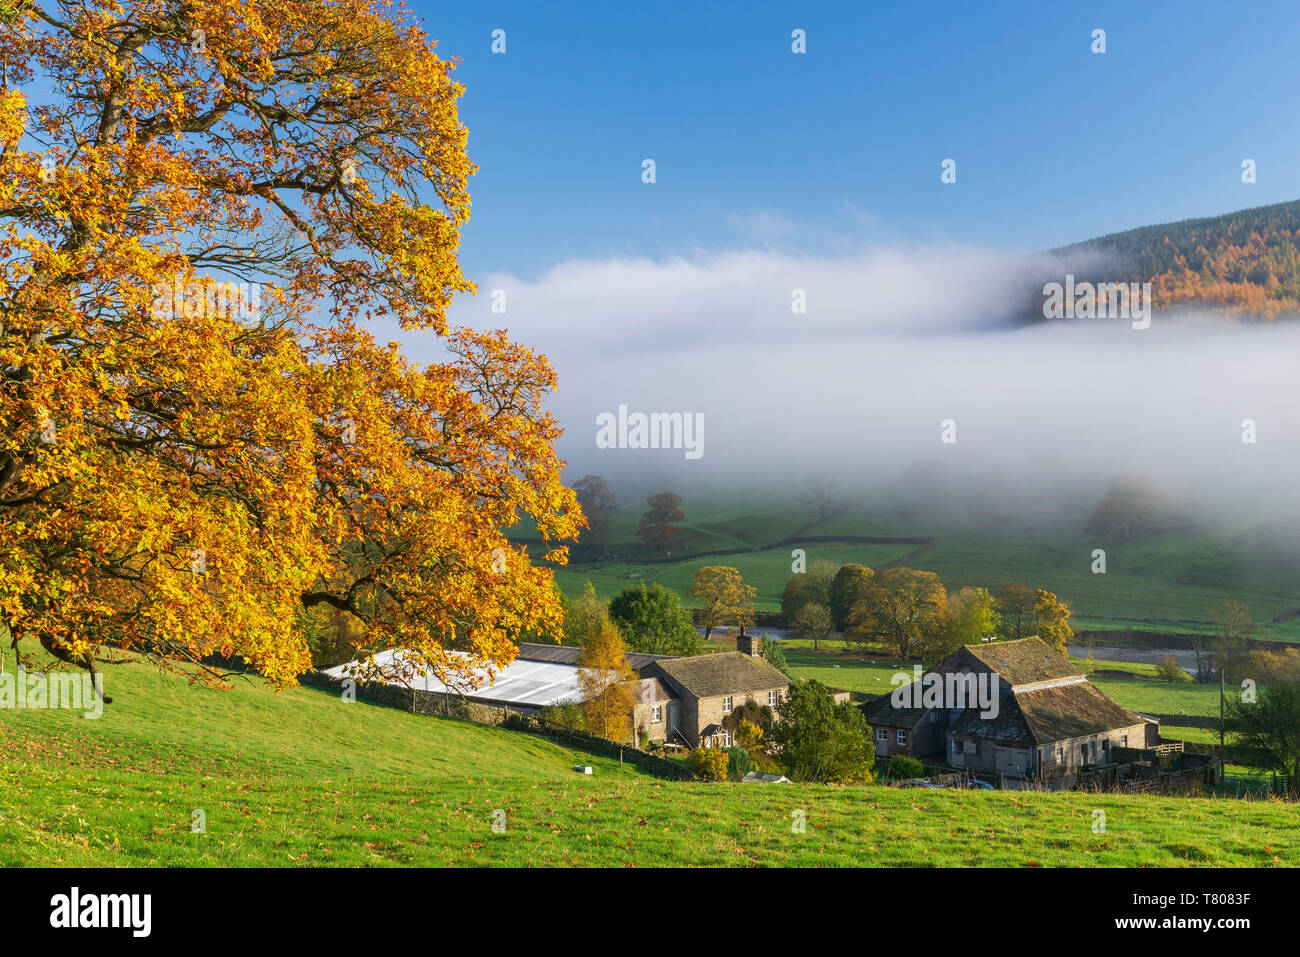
(673, 709)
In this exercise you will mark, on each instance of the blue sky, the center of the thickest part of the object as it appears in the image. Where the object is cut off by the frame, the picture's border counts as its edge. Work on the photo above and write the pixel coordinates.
(841, 147)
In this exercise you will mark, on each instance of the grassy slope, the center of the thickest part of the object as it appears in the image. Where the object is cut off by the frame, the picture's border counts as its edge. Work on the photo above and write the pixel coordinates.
(300, 778)
(1167, 585)
(768, 571)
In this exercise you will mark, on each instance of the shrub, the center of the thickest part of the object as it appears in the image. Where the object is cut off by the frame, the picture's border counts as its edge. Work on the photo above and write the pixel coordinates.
(739, 763)
(751, 711)
(654, 621)
(567, 714)
(901, 767)
(819, 740)
(1168, 669)
(709, 764)
(775, 655)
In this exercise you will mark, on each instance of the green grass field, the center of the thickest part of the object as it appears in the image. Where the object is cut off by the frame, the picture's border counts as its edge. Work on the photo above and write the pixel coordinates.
(300, 778)
(1167, 585)
(768, 570)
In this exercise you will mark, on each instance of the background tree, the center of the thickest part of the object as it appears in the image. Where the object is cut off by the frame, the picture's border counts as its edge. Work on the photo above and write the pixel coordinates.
(972, 617)
(820, 496)
(185, 465)
(605, 680)
(1167, 669)
(813, 622)
(584, 616)
(903, 607)
(847, 588)
(1016, 606)
(724, 597)
(1133, 508)
(1268, 731)
(818, 740)
(1052, 621)
(654, 621)
(774, 654)
(1233, 628)
(813, 585)
(657, 531)
(598, 504)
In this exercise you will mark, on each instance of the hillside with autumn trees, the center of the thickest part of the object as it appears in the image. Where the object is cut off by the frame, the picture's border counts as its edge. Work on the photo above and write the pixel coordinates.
(1244, 262)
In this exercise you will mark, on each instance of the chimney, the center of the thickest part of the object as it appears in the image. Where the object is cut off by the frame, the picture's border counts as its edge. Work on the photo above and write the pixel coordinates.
(748, 644)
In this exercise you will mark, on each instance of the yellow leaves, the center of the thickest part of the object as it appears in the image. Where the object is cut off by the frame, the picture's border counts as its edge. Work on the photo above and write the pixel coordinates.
(182, 434)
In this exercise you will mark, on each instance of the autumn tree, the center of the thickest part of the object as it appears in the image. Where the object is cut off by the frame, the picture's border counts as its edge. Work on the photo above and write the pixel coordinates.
(598, 504)
(813, 585)
(724, 597)
(200, 436)
(1051, 618)
(1015, 601)
(657, 531)
(903, 607)
(1167, 669)
(972, 618)
(847, 588)
(605, 679)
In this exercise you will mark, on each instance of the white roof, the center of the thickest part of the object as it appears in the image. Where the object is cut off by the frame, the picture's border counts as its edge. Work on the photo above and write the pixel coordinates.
(531, 683)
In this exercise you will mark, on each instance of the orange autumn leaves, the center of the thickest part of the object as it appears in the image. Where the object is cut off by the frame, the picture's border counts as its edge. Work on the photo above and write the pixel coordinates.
(186, 482)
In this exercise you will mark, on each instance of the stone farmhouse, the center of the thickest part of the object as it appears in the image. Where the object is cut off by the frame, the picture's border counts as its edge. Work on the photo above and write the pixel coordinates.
(686, 700)
(1048, 723)
(680, 701)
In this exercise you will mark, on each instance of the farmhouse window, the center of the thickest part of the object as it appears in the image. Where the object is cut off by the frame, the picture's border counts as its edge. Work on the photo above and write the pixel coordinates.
(902, 737)
(881, 735)
(771, 699)
(726, 705)
(1123, 740)
(657, 714)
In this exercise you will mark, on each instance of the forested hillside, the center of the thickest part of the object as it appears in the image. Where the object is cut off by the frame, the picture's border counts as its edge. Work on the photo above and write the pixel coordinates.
(1243, 262)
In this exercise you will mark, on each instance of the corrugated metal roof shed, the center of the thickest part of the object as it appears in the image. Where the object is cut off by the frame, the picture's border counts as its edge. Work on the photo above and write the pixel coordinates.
(523, 682)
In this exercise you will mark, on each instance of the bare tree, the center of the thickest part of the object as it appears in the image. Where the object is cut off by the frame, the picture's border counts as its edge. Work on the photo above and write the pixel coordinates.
(821, 497)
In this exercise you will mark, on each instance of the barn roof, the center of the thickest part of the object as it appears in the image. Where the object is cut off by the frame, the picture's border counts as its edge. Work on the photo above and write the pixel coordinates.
(723, 673)
(1009, 727)
(1024, 661)
(568, 655)
(1073, 710)
(880, 711)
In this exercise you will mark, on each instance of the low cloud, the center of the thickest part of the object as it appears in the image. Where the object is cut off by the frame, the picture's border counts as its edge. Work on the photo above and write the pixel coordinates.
(893, 342)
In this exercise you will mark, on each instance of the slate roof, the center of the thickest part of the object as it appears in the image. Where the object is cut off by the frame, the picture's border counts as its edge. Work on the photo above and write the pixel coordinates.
(568, 655)
(1009, 727)
(652, 691)
(723, 673)
(1024, 661)
(1070, 711)
(881, 711)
